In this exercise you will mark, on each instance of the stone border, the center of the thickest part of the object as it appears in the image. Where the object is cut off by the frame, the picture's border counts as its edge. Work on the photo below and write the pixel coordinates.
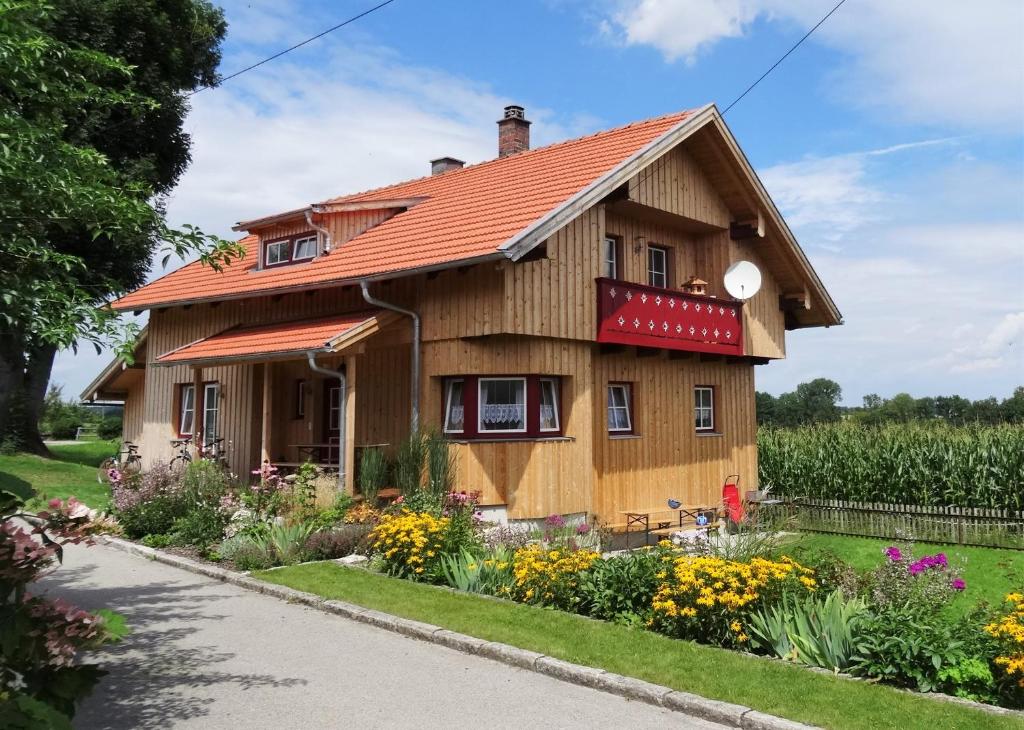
(724, 713)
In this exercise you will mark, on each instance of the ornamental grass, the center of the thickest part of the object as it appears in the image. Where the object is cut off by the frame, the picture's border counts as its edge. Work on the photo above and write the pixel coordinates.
(709, 599)
(410, 544)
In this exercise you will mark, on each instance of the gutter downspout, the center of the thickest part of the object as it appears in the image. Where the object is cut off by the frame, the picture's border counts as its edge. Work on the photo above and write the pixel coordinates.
(342, 393)
(321, 229)
(415, 389)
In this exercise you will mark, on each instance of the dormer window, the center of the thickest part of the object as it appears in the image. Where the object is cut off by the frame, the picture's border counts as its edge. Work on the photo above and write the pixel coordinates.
(281, 251)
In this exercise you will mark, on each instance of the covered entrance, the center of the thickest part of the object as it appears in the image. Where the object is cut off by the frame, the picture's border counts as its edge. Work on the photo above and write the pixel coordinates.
(305, 379)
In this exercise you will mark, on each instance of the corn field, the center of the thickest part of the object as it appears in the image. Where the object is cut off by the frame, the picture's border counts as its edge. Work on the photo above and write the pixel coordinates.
(926, 464)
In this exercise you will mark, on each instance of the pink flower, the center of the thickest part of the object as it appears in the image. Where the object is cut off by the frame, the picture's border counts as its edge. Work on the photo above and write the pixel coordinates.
(958, 584)
(55, 503)
(894, 554)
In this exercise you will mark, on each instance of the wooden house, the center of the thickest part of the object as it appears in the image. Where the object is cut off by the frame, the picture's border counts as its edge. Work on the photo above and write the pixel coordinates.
(530, 306)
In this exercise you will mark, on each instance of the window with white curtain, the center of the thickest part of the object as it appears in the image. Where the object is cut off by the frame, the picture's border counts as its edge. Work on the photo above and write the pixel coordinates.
(502, 405)
(211, 412)
(304, 248)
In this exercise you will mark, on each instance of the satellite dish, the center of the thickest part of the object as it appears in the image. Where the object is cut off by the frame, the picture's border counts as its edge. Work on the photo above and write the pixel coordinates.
(742, 280)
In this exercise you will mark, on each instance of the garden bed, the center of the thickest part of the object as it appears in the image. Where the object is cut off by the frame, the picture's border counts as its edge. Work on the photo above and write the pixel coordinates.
(768, 686)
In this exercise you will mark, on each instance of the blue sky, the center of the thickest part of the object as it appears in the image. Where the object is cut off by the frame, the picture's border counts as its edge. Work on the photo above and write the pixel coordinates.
(892, 141)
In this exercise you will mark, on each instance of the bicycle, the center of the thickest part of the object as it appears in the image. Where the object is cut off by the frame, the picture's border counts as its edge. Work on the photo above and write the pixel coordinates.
(216, 452)
(126, 460)
(183, 458)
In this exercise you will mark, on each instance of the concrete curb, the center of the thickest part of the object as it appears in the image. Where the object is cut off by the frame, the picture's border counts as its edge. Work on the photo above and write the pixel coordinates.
(630, 688)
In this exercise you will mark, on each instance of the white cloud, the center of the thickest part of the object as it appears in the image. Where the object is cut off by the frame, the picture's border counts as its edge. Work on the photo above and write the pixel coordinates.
(915, 60)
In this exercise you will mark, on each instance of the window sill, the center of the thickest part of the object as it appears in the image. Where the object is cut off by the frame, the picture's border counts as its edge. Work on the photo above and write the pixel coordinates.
(509, 439)
(709, 434)
(623, 436)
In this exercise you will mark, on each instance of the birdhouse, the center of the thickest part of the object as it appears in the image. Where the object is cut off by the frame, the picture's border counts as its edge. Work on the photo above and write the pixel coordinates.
(695, 285)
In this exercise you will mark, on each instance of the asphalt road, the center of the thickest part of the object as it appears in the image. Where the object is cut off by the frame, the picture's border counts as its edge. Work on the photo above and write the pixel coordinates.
(204, 654)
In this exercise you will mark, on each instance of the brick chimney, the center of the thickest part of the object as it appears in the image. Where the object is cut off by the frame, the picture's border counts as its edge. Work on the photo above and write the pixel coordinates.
(513, 132)
(445, 164)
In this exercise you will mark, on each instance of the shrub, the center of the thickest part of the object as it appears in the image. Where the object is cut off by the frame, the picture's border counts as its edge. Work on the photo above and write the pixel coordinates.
(550, 577)
(110, 427)
(64, 425)
(558, 533)
(333, 515)
(409, 462)
(709, 599)
(247, 552)
(622, 588)
(819, 633)
(336, 542)
(410, 544)
(1008, 631)
(910, 648)
(926, 584)
(440, 463)
(201, 526)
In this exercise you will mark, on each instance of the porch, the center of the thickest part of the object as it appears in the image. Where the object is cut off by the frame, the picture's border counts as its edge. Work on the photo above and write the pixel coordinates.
(318, 390)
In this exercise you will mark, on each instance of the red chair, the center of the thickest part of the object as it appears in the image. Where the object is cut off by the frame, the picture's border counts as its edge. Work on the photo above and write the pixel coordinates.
(731, 499)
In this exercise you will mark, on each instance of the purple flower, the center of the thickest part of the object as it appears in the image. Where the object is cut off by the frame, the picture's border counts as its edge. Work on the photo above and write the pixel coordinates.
(940, 559)
(958, 584)
(583, 529)
(894, 554)
(555, 521)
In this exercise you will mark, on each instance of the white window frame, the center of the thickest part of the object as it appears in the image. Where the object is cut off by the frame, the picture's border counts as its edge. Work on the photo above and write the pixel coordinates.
(186, 407)
(627, 399)
(652, 272)
(610, 261)
(480, 405)
(554, 405)
(333, 409)
(276, 245)
(211, 404)
(448, 388)
(700, 409)
(296, 248)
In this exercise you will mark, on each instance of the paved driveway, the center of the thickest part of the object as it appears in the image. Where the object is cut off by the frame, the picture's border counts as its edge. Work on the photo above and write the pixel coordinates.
(204, 654)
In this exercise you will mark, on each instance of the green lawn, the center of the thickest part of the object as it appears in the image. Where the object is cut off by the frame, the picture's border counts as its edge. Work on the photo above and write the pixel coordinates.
(769, 686)
(72, 472)
(990, 573)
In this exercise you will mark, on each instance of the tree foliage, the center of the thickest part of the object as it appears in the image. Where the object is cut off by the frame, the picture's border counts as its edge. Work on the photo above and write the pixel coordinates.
(64, 204)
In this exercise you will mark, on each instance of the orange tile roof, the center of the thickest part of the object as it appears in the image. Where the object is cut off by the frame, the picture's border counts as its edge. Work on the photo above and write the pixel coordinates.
(467, 214)
(268, 340)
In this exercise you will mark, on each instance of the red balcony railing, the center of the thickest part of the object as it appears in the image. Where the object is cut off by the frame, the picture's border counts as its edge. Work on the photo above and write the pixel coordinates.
(647, 316)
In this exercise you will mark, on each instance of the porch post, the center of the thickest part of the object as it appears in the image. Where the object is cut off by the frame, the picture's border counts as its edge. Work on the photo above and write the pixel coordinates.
(265, 425)
(198, 410)
(350, 424)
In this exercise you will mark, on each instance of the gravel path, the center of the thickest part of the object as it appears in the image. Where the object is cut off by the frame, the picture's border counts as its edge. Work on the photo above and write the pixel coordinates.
(204, 654)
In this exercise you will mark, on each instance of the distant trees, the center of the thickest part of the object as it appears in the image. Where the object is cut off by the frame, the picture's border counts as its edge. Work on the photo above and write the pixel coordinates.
(818, 402)
(813, 402)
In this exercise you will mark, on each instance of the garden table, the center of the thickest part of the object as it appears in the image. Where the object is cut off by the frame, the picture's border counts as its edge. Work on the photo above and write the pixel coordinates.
(642, 517)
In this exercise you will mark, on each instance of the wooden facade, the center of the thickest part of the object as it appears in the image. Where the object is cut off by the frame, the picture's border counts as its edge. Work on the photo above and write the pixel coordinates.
(538, 315)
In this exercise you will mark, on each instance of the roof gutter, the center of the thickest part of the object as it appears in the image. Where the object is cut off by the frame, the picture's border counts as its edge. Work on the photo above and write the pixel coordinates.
(342, 425)
(326, 233)
(416, 335)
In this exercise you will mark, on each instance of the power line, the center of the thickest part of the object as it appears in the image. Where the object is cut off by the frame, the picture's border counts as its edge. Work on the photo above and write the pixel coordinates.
(277, 55)
(784, 57)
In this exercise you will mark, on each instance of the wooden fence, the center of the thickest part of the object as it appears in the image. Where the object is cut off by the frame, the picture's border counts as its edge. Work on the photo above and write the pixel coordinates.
(960, 525)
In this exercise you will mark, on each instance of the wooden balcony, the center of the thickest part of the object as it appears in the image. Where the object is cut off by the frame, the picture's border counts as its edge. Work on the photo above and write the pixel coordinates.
(648, 316)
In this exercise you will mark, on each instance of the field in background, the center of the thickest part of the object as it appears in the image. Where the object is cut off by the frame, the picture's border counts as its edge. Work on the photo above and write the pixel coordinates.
(927, 464)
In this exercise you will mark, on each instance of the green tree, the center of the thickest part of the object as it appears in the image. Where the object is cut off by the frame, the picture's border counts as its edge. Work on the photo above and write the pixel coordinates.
(765, 406)
(1013, 407)
(76, 222)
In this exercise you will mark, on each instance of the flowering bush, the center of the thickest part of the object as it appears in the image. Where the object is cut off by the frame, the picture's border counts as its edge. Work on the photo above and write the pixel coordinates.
(1008, 631)
(362, 514)
(559, 534)
(410, 544)
(920, 585)
(549, 577)
(708, 599)
(40, 637)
